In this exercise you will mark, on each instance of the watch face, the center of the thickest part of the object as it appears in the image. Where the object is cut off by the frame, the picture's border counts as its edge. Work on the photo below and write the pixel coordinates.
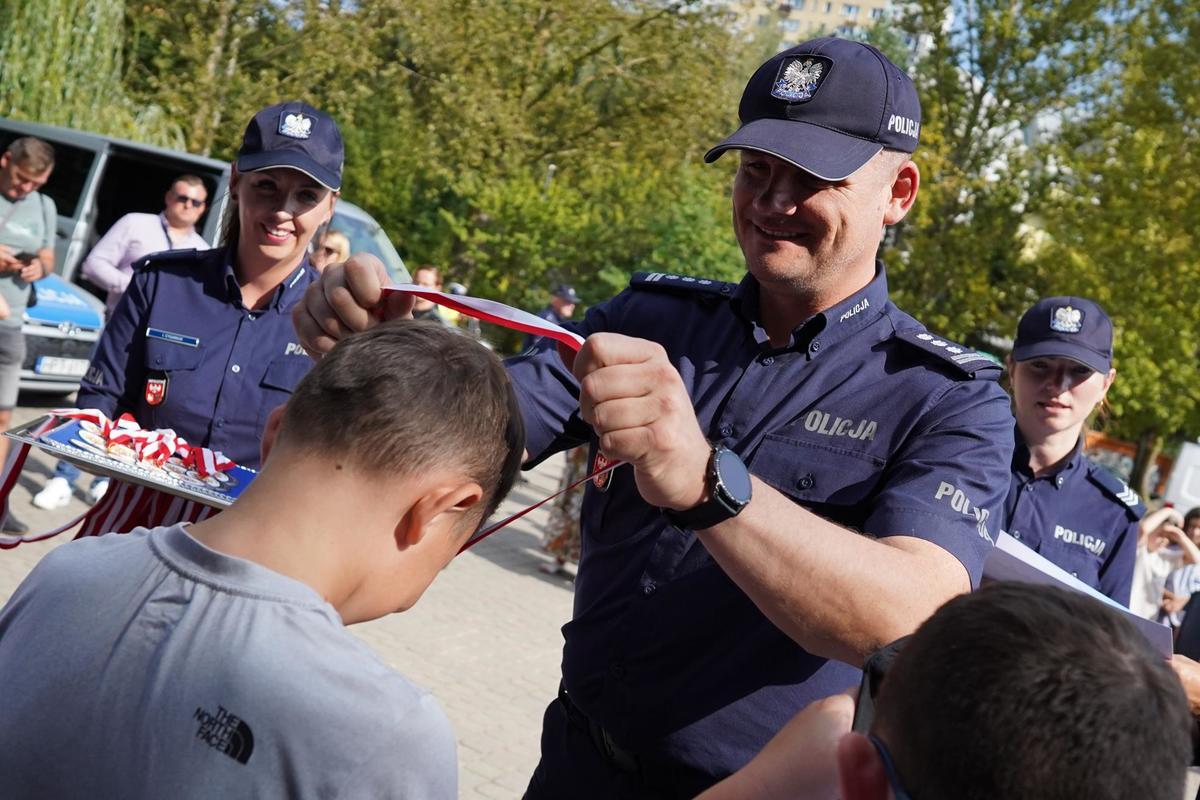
(734, 476)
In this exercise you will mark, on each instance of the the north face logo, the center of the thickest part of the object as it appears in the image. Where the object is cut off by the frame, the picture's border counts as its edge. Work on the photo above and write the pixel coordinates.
(226, 732)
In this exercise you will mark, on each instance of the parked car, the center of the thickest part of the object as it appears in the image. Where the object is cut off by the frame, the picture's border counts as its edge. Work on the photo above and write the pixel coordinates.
(366, 236)
(97, 180)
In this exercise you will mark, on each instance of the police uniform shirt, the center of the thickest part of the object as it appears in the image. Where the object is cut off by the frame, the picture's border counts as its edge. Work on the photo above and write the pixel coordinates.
(864, 418)
(182, 352)
(1081, 517)
(550, 315)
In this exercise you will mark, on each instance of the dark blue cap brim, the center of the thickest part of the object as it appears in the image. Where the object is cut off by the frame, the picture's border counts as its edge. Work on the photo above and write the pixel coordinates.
(1057, 348)
(825, 153)
(291, 159)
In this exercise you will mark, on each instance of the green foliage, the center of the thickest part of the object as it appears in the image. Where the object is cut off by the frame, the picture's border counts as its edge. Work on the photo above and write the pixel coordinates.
(988, 79)
(1121, 221)
(62, 66)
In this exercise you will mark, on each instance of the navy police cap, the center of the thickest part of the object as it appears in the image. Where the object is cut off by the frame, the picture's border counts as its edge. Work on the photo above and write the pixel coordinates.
(566, 292)
(827, 106)
(1066, 327)
(297, 136)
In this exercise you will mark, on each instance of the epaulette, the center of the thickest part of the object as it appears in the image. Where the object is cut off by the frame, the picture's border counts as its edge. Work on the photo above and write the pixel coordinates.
(962, 358)
(1117, 489)
(666, 282)
(163, 256)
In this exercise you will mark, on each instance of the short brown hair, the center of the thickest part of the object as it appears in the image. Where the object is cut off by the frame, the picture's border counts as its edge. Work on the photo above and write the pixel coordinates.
(190, 180)
(31, 153)
(437, 273)
(1018, 690)
(408, 396)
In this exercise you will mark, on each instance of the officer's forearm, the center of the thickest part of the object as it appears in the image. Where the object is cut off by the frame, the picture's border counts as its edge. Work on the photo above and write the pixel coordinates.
(837, 593)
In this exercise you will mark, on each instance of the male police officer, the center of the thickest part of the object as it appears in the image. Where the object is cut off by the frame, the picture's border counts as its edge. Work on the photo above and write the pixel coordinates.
(810, 475)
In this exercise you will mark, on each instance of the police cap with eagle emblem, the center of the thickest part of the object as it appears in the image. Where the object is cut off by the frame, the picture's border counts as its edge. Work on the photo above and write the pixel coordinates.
(827, 106)
(297, 136)
(1066, 327)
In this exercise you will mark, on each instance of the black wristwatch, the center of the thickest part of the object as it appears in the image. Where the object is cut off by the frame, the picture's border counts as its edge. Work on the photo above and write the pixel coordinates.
(728, 483)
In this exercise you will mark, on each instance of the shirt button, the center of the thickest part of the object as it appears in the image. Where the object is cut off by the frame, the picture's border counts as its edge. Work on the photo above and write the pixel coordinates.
(649, 589)
(726, 430)
(235, 368)
(815, 346)
(806, 482)
(1074, 574)
(220, 423)
(1016, 534)
(1029, 487)
(768, 361)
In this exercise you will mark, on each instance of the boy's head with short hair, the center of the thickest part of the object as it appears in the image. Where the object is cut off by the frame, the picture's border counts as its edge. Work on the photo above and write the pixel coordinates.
(406, 397)
(403, 440)
(1030, 691)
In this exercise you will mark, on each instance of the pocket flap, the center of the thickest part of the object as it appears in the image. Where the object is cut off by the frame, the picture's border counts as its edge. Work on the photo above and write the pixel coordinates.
(285, 372)
(169, 356)
(813, 473)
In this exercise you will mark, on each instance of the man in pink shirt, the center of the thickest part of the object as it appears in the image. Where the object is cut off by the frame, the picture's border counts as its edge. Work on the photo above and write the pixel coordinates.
(110, 264)
(110, 267)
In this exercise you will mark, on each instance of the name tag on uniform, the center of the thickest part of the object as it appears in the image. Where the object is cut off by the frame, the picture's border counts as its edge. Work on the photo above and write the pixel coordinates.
(169, 336)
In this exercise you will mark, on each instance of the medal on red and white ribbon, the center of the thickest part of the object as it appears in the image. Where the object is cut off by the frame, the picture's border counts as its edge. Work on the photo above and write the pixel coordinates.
(601, 475)
(156, 391)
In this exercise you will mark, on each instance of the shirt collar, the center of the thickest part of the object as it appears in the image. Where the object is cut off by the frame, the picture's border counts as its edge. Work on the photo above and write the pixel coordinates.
(290, 288)
(825, 328)
(1020, 461)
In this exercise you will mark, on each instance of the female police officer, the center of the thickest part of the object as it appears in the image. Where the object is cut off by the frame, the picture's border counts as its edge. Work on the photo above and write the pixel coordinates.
(1072, 511)
(202, 342)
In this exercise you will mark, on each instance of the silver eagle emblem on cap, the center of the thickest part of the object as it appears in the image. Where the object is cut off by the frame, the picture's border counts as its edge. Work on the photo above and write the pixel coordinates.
(295, 125)
(798, 80)
(1066, 320)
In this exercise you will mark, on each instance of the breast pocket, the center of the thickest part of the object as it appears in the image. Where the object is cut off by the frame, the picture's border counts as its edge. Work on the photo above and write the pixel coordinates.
(833, 482)
(1074, 558)
(178, 363)
(279, 381)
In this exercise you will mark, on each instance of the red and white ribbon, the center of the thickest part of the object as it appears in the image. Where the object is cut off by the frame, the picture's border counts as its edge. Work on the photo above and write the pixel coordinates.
(494, 312)
(126, 505)
(508, 317)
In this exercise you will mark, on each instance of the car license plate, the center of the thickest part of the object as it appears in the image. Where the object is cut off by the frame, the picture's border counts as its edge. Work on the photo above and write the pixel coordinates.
(53, 365)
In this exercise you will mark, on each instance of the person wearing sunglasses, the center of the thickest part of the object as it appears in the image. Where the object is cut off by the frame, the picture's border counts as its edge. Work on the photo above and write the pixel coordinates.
(1013, 691)
(109, 266)
(134, 236)
(333, 248)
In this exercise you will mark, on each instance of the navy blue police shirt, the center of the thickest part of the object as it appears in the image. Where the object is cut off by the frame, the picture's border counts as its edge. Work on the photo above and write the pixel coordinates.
(182, 352)
(864, 418)
(550, 315)
(1081, 517)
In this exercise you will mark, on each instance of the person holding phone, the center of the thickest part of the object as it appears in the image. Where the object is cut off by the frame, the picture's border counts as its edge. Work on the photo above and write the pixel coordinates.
(28, 223)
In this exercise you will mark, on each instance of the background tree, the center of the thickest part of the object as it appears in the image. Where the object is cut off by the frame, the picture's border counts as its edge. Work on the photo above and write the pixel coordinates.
(1121, 225)
(62, 66)
(994, 77)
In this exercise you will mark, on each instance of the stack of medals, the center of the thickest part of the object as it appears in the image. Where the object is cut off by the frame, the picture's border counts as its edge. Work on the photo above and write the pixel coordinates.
(162, 453)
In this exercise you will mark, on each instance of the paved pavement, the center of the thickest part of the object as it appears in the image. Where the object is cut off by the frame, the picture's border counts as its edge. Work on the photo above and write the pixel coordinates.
(484, 639)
